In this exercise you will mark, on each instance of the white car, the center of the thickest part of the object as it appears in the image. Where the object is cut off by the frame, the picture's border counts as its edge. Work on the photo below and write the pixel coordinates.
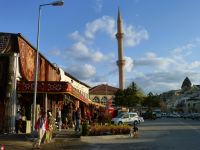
(126, 118)
(141, 119)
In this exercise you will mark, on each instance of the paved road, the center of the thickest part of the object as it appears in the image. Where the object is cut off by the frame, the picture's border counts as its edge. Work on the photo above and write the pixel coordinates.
(161, 134)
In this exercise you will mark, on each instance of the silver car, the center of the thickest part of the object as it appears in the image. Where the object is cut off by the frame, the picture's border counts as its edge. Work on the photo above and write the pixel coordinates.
(129, 118)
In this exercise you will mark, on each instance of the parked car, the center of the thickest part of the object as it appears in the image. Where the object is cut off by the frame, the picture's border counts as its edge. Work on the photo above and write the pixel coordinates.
(157, 114)
(148, 115)
(186, 115)
(141, 119)
(164, 114)
(195, 116)
(174, 115)
(129, 118)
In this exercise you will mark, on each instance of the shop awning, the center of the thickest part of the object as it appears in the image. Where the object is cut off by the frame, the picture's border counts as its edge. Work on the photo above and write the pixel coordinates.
(52, 87)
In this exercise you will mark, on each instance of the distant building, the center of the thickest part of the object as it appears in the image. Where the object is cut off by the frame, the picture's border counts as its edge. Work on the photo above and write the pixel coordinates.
(102, 93)
(186, 99)
(186, 85)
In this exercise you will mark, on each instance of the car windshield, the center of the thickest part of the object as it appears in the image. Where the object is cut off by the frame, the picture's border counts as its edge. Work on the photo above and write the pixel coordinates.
(120, 115)
(133, 115)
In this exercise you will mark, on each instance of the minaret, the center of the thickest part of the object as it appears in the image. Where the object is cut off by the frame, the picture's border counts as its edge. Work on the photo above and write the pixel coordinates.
(121, 61)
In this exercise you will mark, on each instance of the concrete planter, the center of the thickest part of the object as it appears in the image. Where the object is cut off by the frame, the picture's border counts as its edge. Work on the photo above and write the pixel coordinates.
(99, 139)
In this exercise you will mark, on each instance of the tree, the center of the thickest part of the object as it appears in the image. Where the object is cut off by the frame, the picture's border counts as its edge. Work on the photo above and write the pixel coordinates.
(151, 101)
(129, 97)
(119, 98)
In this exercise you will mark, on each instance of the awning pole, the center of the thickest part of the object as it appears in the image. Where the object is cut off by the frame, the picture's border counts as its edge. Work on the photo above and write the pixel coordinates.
(46, 98)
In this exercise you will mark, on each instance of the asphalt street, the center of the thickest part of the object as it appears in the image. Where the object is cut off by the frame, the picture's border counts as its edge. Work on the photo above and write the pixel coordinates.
(160, 134)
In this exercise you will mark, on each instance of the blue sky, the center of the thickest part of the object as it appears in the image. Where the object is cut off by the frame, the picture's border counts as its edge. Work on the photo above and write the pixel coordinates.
(161, 45)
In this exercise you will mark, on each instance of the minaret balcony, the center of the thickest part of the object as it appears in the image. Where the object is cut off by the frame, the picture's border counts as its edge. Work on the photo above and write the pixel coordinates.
(121, 62)
(119, 35)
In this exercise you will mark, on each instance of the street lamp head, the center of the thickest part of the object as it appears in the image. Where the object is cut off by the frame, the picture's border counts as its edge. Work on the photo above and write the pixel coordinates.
(57, 3)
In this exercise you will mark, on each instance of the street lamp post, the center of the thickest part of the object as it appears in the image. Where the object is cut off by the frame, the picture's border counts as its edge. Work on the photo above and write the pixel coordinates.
(55, 3)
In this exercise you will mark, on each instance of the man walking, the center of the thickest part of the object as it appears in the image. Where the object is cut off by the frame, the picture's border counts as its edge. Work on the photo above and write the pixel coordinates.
(78, 120)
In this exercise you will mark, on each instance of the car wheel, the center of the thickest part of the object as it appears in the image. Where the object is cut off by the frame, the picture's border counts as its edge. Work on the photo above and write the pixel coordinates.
(135, 122)
(120, 123)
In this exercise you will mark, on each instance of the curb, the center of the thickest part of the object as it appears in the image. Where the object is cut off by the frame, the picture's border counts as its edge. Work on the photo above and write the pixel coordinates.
(106, 137)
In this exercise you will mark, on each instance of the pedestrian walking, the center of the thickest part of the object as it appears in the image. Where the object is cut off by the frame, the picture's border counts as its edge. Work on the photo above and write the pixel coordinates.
(78, 120)
(134, 131)
(74, 117)
(41, 127)
(18, 121)
(59, 119)
(51, 127)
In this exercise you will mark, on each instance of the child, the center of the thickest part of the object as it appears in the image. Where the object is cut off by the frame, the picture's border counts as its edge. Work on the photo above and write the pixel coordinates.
(134, 131)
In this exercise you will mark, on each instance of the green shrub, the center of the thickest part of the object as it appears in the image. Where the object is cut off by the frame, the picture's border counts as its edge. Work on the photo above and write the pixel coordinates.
(109, 129)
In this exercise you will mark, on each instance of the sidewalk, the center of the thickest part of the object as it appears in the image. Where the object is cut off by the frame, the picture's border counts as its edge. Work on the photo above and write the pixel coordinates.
(67, 133)
(15, 141)
(69, 139)
(25, 142)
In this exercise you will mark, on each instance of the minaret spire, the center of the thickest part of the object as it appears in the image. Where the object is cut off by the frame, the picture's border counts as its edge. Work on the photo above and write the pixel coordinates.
(119, 21)
(121, 61)
(119, 16)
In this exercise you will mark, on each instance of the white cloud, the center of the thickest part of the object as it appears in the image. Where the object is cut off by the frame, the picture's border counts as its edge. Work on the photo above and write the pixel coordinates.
(151, 60)
(76, 36)
(82, 72)
(183, 51)
(195, 64)
(81, 51)
(105, 24)
(128, 64)
(133, 37)
(166, 73)
(159, 82)
(161, 73)
(89, 70)
(150, 55)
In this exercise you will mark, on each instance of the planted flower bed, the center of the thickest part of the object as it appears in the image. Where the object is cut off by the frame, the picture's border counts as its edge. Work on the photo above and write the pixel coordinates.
(108, 130)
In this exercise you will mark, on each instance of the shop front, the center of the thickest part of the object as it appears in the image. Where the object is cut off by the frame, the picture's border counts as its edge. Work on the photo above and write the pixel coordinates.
(55, 90)
(51, 97)
(17, 63)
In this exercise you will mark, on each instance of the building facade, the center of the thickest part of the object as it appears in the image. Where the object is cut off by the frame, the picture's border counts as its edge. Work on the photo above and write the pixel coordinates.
(102, 93)
(56, 88)
(186, 99)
